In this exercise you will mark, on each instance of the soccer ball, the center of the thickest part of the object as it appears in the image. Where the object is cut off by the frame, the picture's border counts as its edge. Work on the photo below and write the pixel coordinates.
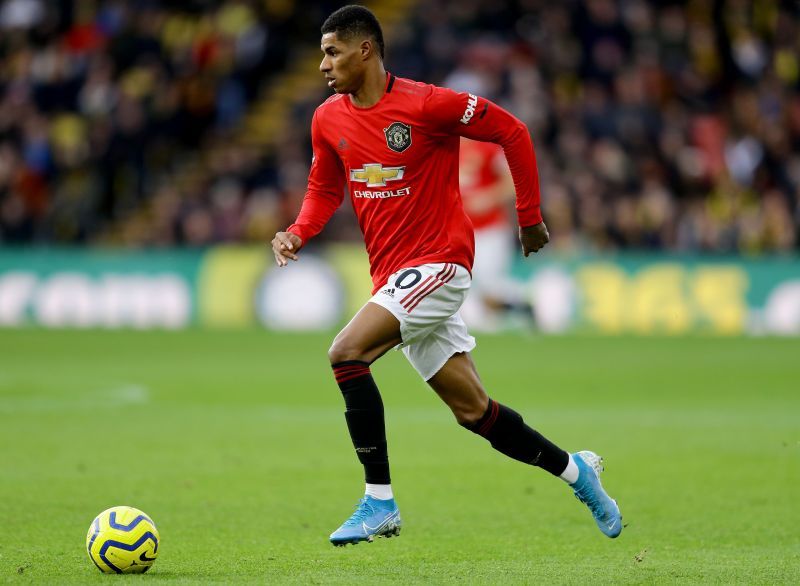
(122, 540)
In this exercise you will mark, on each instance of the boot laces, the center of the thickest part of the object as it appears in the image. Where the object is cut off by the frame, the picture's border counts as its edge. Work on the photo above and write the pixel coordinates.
(363, 511)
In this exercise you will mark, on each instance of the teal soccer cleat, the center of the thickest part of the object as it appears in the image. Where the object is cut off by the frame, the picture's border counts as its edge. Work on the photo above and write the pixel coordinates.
(590, 492)
(373, 518)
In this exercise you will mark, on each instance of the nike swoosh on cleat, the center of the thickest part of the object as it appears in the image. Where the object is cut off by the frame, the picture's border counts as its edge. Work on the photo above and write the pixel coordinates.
(368, 529)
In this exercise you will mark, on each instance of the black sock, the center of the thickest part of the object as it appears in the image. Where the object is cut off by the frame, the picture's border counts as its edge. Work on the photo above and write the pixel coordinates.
(508, 434)
(364, 415)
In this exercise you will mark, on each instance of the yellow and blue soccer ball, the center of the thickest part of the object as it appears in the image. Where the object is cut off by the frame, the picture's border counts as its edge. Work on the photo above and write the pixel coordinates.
(122, 540)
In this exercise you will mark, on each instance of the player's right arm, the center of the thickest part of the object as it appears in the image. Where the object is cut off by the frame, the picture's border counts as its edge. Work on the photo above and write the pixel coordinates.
(324, 195)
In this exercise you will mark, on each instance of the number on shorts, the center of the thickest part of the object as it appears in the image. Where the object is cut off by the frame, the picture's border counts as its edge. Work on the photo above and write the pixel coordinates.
(411, 274)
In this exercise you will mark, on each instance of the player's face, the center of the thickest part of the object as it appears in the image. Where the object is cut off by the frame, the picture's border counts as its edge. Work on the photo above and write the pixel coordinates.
(343, 63)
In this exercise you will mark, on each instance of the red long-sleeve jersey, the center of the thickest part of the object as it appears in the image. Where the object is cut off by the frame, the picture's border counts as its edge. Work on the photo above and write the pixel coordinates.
(399, 160)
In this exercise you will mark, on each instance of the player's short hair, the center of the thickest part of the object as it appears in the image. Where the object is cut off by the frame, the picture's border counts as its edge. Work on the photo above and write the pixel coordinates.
(353, 20)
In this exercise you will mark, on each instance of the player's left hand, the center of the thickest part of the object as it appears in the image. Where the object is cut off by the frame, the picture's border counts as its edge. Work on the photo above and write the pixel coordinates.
(533, 238)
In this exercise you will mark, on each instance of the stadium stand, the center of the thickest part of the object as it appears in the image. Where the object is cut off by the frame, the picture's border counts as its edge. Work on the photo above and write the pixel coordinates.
(669, 126)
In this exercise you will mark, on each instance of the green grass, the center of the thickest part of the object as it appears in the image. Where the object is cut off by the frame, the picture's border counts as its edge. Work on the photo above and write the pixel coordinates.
(236, 446)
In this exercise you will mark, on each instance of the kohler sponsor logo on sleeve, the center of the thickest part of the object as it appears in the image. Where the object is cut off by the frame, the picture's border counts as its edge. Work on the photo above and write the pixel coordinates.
(472, 103)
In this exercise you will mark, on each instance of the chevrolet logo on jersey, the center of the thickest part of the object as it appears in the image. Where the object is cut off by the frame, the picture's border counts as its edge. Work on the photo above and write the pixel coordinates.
(376, 175)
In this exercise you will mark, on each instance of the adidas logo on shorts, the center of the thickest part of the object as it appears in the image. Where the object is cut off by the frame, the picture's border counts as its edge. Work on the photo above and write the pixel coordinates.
(389, 291)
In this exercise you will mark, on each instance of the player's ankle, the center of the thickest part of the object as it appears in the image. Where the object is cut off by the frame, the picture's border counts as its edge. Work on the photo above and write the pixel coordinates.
(571, 472)
(381, 492)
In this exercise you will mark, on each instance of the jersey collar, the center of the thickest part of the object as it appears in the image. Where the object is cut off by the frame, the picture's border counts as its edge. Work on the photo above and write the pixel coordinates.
(386, 91)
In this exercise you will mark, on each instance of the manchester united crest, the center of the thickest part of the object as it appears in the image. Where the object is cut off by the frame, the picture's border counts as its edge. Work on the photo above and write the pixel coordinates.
(398, 136)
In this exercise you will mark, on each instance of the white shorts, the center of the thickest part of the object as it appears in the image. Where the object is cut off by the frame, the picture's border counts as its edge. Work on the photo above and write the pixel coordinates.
(425, 300)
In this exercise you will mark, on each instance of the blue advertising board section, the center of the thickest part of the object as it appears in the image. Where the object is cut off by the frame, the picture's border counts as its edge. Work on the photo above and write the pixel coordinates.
(240, 287)
(98, 288)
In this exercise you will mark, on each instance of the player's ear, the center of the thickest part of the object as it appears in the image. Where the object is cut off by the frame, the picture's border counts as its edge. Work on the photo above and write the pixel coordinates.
(367, 48)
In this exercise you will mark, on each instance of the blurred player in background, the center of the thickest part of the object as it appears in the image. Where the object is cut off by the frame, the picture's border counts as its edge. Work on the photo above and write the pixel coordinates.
(394, 143)
(487, 190)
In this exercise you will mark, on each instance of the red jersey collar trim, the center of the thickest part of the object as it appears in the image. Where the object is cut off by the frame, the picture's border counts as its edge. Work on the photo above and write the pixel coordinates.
(386, 90)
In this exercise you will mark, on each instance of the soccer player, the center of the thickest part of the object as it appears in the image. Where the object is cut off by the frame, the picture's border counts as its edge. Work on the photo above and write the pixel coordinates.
(486, 187)
(394, 143)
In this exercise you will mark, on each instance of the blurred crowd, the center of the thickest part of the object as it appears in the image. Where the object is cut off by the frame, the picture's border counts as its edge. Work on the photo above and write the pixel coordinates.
(103, 102)
(657, 125)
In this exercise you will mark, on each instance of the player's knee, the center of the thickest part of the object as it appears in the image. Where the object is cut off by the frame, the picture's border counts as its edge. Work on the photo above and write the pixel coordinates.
(468, 413)
(341, 350)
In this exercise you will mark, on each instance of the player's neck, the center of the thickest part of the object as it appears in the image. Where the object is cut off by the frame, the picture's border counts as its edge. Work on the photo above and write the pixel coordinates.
(373, 88)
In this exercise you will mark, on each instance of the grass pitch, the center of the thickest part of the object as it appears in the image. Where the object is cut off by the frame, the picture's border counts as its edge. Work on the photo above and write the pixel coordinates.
(236, 445)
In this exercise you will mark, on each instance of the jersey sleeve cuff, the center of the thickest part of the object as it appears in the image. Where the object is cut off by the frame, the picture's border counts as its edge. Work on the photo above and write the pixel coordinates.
(529, 217)
(298, 231)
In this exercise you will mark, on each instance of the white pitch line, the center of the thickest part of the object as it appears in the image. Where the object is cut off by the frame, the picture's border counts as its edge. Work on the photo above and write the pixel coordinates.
(124, 395)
